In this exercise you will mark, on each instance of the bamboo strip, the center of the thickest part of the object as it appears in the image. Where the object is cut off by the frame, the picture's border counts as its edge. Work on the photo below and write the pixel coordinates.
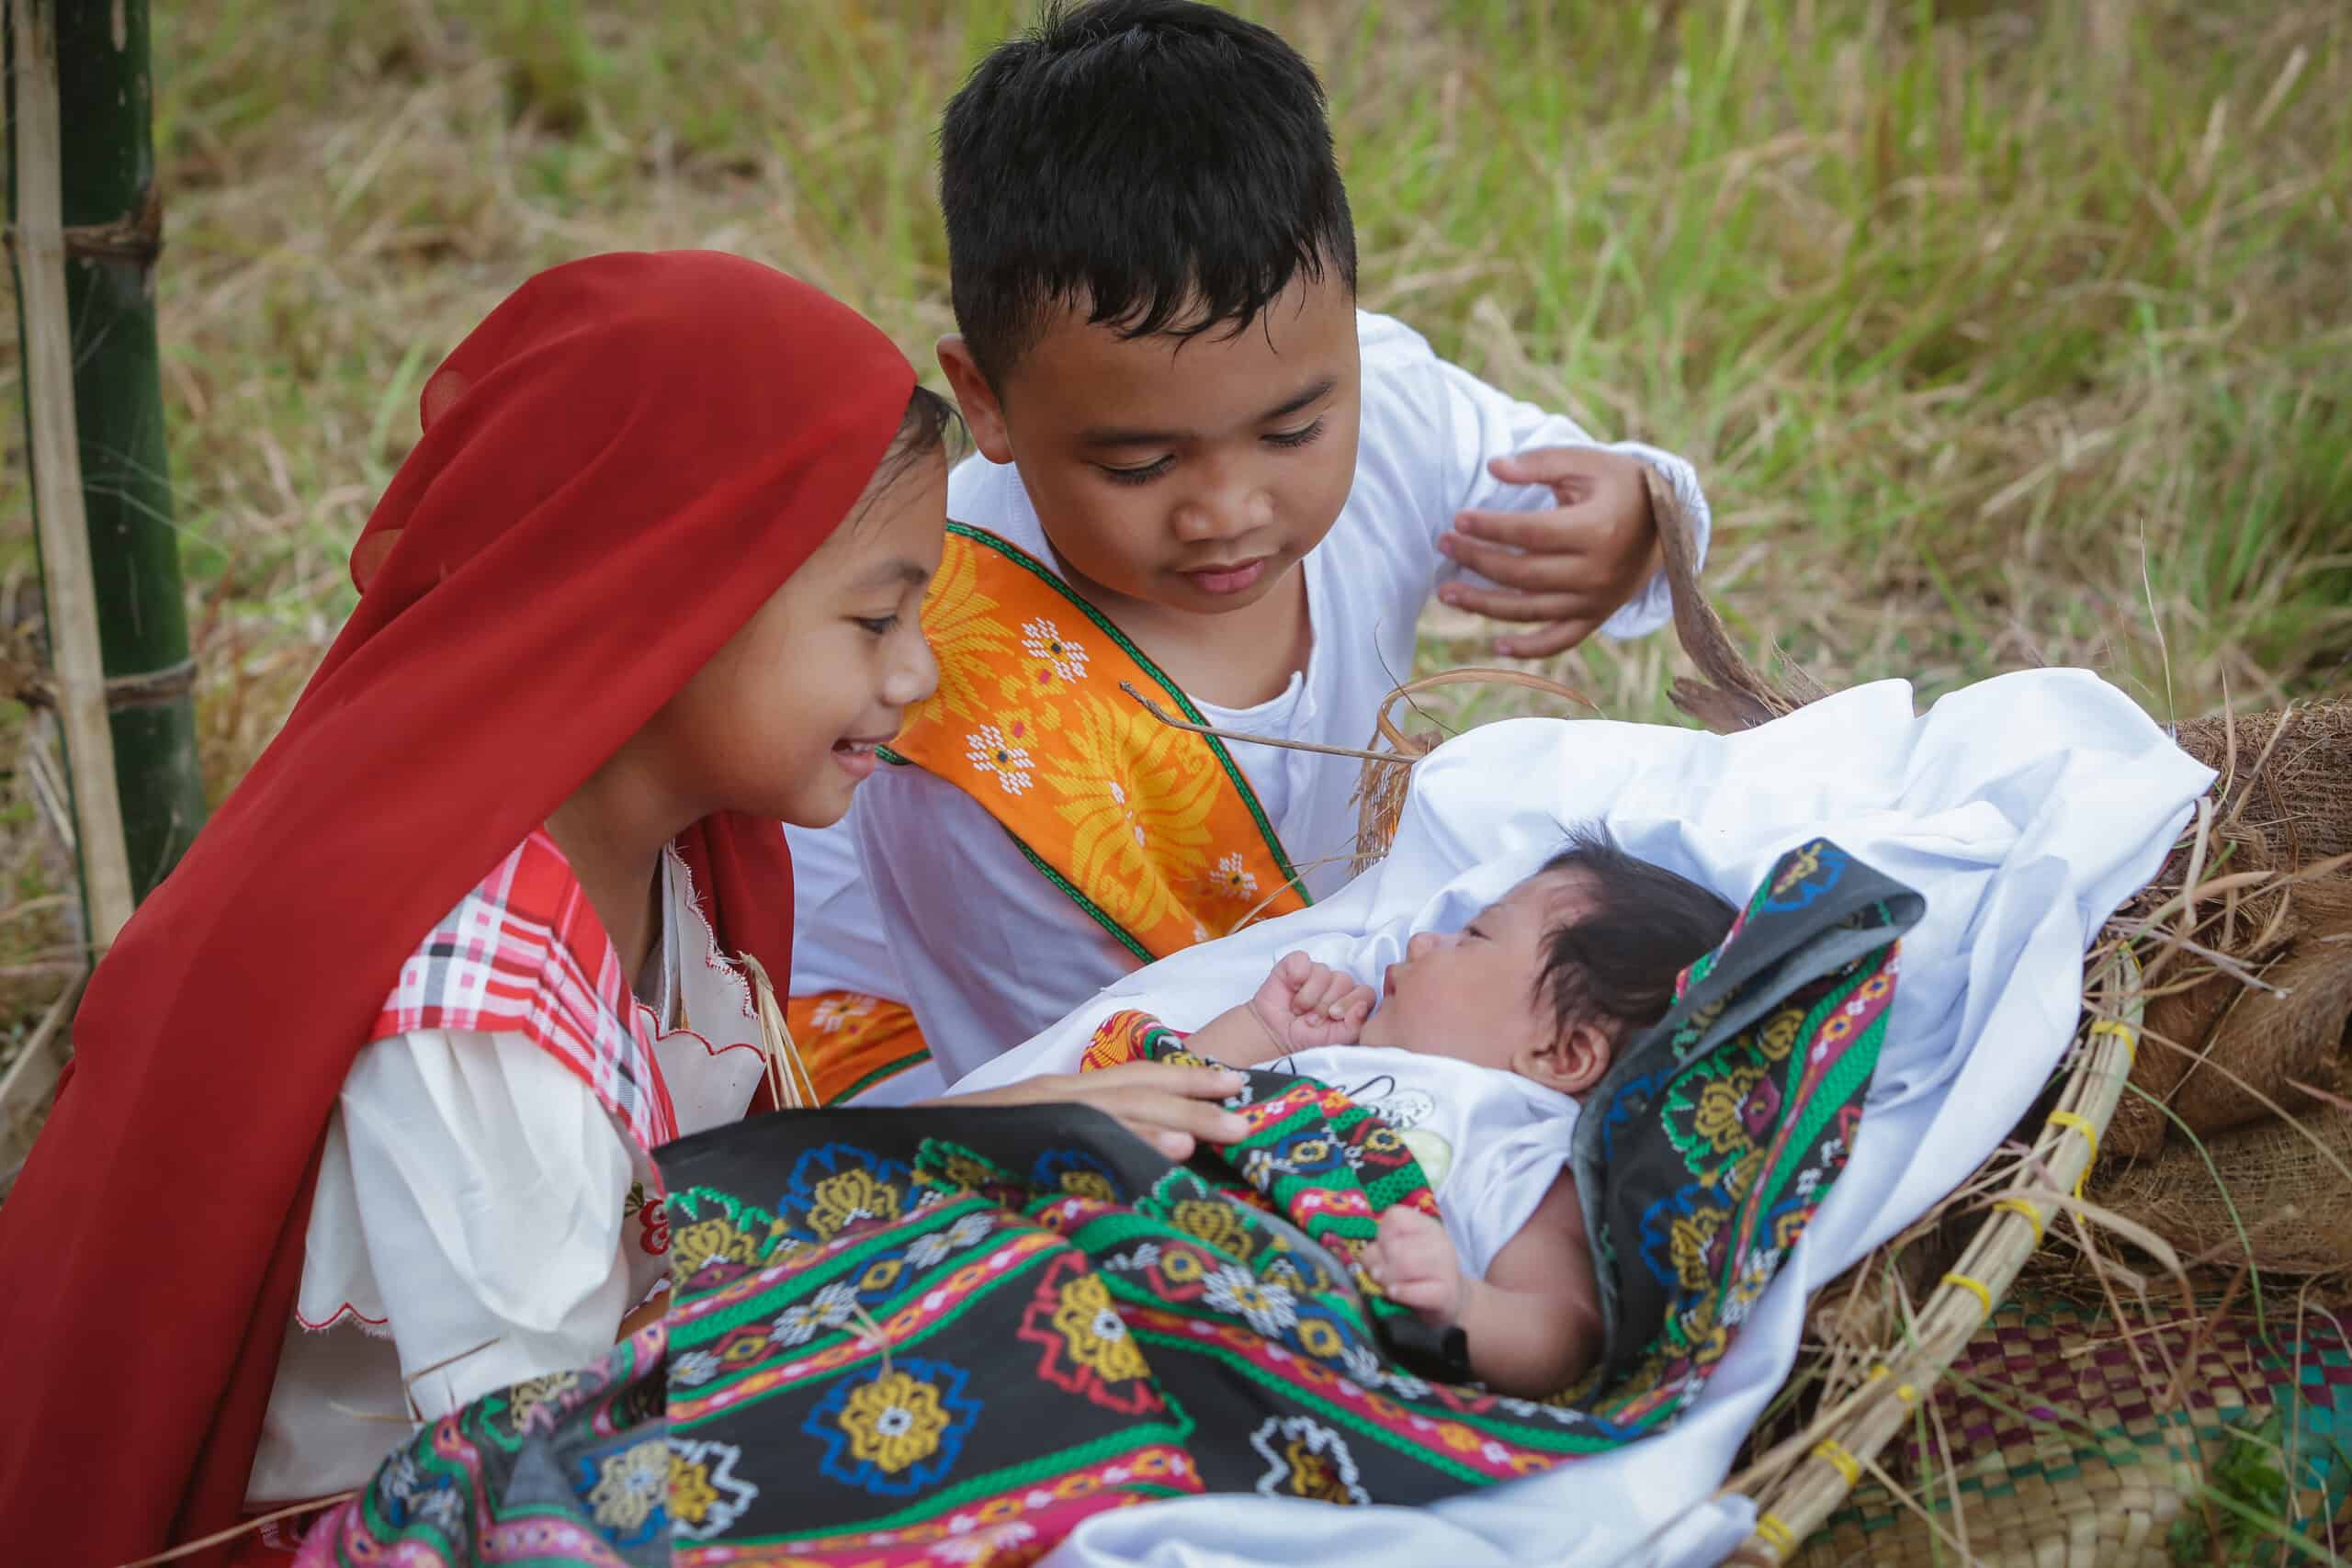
(73, 611)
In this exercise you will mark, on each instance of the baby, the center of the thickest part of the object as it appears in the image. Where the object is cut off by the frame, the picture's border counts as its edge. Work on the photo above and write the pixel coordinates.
(1474, 1049)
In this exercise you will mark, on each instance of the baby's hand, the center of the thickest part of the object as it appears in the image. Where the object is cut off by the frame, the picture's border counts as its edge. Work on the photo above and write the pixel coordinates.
(1305, 1004)
(1413, 1260)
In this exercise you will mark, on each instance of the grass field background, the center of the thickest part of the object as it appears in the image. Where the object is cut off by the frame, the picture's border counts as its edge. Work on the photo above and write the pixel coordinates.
(2002, 334)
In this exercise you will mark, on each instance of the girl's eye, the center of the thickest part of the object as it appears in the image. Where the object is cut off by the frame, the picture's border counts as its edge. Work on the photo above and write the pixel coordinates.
(878, 625)
(1142, 475)
(1304, 436)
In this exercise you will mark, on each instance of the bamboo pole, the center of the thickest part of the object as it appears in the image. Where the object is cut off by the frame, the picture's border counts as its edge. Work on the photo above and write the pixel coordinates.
(113, 223)
(72, 610)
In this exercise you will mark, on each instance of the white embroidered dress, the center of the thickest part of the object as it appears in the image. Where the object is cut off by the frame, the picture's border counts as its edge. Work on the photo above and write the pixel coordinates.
(481, 1218)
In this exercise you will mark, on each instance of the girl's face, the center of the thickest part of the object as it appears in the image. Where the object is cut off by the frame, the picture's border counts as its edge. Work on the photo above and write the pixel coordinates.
(783, 720)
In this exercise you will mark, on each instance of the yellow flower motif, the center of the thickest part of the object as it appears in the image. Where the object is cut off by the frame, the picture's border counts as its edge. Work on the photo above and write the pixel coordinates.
(715, 1238)
(528, 1398)
(881, 1275)
(1718, 1120)
(1089, 1184)
(1779, 1032)
(1096, 1333)
(963, 1170)
(894, 1421)
(965, 638)
(1137, 797)
(631, 1485)
(691, 1496)
(1214, 1222)
(852, 1195)
(1689, 1237)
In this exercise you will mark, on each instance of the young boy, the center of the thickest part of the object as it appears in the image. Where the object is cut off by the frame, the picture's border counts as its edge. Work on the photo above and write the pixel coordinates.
(1475, 1051)
(1205, 475)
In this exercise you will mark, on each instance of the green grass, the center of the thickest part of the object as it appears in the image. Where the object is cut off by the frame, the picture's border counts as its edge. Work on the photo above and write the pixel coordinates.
(2002, 333)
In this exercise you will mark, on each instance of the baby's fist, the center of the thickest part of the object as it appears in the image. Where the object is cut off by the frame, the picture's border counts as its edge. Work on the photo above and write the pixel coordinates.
(1413, 1260)
(1305, 1004)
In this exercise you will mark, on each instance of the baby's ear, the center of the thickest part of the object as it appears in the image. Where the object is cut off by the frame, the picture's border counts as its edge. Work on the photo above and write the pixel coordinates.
(1574, 1062)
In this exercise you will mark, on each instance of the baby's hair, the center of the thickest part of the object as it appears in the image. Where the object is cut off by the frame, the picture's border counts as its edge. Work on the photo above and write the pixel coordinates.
(1638, 926)
(922, 431)
(1162, 164)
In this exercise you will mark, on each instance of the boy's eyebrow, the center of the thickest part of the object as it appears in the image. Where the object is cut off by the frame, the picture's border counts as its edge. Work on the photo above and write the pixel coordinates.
(1114, 436)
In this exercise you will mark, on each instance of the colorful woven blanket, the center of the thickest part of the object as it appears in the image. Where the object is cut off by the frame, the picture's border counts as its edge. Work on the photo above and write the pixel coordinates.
(933, 1334)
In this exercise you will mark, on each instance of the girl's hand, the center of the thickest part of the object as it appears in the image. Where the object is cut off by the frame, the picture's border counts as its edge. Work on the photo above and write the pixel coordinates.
(1305, 1004)
(1413, 1260)
(1174, 1108)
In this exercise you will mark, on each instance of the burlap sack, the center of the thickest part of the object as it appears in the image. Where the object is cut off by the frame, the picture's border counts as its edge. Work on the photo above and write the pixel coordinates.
(2286, 1188)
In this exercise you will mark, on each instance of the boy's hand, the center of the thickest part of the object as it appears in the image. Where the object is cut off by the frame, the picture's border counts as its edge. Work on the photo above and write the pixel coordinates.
(1305, 1004)
(1570, 565)
(1412, 1258)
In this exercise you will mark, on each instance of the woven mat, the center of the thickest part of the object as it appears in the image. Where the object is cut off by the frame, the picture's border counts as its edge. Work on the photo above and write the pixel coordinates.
(2060, 1455)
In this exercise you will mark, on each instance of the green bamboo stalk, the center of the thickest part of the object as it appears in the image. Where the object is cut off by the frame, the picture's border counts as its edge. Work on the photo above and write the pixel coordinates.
(114, 227)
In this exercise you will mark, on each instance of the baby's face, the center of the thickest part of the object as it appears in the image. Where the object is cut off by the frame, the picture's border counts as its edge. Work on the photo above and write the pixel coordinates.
(1471, 994)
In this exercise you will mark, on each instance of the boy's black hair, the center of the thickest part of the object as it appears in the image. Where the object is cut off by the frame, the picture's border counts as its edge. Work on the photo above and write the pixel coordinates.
(1639, 928)
(1165, 164)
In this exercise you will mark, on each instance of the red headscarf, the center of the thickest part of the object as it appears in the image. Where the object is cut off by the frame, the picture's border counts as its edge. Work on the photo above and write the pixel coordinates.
(617, 468)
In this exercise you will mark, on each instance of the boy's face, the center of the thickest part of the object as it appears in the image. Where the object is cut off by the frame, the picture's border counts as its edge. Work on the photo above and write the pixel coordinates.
(1190, 473)
(1471, 994)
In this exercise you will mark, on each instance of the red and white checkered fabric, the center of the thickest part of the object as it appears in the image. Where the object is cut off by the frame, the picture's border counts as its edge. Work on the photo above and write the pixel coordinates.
(524, 954)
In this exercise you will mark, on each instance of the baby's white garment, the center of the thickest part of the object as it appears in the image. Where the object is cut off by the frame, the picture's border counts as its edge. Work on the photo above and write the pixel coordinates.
(1490, 1142)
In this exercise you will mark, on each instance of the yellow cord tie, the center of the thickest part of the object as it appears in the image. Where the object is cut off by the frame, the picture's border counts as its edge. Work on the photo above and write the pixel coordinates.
(1907, 1393)
(1832, 1452)
(2032, 1215)
(2090, 1136)
(1974, 1287)
(2123, 1031)
(1774, 1534)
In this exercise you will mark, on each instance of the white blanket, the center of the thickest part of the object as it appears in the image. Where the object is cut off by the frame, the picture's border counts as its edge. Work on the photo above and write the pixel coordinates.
(2025, 810)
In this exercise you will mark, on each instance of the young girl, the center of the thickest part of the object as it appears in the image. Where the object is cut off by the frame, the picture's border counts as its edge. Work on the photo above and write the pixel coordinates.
(361, 1102)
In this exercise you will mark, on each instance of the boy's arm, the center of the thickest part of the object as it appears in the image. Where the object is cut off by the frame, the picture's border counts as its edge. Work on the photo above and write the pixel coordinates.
(1534, 520)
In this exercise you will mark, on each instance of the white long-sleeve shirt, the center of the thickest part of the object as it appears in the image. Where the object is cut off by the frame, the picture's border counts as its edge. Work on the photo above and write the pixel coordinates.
(919, 896)
(479, 1219)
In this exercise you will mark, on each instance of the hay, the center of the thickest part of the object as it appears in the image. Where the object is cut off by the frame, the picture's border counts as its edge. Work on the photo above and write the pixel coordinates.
(2299, 797)
(2270, 1194)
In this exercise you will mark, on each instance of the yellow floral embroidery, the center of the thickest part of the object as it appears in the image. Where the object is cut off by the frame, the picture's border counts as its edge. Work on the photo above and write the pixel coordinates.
(1689, 1237)
(1717, 1118)
(894, 1421)
(1136, 801)
(1779, 1032)
(850, 1196)
(526, 1399)
(631, 1485)
(716, 1236)
(691, 1496)
(959, 622)
(1096, 1333)
(1215, 1223)
(1089, 1184)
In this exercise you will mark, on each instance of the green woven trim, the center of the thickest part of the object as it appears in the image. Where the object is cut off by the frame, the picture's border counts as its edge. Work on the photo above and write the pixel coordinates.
(889, 1070)
(1171, 1433)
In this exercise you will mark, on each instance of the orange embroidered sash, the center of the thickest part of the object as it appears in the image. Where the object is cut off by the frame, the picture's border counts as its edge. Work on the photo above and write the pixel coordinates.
(1153, 831)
